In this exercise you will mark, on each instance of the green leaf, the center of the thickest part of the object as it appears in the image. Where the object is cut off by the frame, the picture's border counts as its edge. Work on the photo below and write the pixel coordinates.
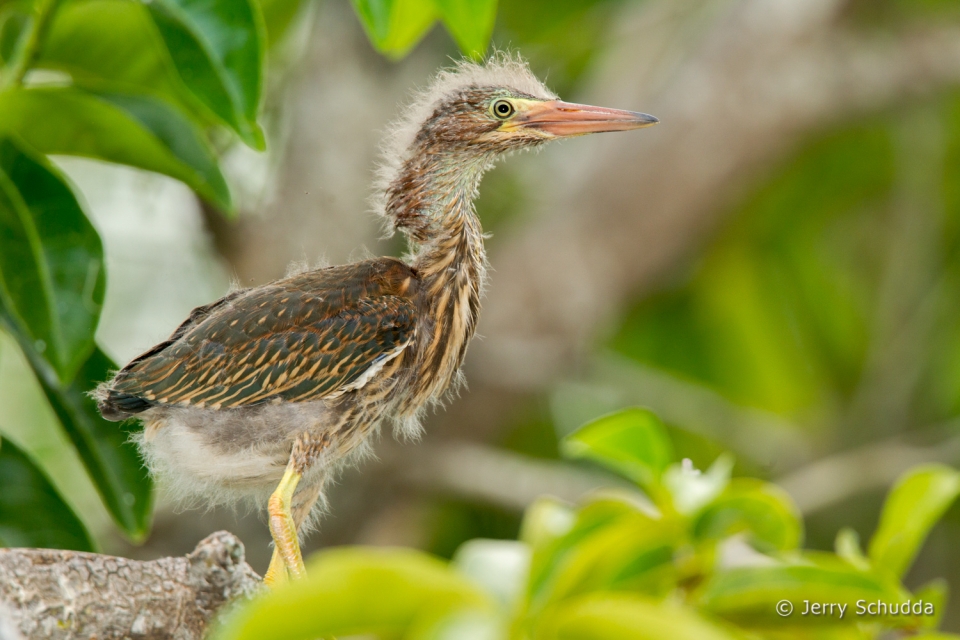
(196, 164)
(633, 442)
(352, 591)
(613, 546)
(913, 506)
(847, 546)
(51, 262)
(134, 130)
(105, 449)
(762, 510)
(32, 513)
(14, 21)
(217, 47)
(551, 552)
(613, 616)
(937, 593)
(395, 26)
(749, 596)
(460, 625)
(111, 459)
(470, 22)
(129, 57)
(277, 17)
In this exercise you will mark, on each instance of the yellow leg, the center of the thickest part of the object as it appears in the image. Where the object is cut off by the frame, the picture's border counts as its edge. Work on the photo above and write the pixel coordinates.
(277, 573)
(284, 530)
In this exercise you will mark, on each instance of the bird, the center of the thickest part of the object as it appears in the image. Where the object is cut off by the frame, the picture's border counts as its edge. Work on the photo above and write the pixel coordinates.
(268, 391)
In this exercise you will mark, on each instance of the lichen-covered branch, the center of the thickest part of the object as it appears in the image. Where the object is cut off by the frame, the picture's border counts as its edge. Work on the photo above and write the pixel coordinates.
(47, 593)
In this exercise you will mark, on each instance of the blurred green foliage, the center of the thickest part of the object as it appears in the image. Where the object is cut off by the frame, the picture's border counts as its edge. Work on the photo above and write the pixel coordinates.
(846, 255)
(695, 555)
(776, 315)
(897, 13)
(396, 26)
(560, 37)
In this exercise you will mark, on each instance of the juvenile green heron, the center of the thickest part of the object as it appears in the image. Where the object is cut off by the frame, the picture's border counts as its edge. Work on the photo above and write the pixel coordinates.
(285, 382)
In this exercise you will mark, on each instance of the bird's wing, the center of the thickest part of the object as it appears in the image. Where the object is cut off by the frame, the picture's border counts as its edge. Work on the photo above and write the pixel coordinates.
(300, 339)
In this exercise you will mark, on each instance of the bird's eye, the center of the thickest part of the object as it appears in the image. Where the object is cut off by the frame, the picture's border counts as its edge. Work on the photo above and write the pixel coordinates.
(503, 109)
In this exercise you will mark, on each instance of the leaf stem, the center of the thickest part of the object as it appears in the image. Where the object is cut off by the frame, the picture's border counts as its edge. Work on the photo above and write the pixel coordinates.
(29, 46)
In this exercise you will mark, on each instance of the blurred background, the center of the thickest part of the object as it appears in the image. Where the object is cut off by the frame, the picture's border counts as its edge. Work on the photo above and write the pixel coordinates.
(774, 269)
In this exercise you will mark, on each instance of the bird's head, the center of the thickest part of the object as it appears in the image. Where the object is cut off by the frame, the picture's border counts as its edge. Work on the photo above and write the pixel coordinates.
(501, 106)
(500, 117)
(497, 107)
(455, 129)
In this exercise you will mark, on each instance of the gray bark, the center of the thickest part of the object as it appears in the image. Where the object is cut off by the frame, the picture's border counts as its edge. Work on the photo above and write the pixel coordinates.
(49, 593)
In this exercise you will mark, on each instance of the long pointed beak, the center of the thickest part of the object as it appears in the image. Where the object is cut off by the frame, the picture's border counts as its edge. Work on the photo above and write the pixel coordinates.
(566, 119)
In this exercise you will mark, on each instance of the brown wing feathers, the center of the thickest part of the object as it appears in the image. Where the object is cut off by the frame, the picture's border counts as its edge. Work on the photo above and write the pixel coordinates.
(298, 339)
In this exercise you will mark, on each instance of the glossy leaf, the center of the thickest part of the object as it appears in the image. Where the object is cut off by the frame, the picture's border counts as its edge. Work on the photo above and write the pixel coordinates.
(609, 616)
(134, 130)
(470, 22)
(633, 442)
(111, 460)
(51, 262)
(914, 505)
(395, 26)
(32, 513)
(353, 591)
(196, 164)
(129, 57)
(217, 47)
(749, 596)
(763, 511)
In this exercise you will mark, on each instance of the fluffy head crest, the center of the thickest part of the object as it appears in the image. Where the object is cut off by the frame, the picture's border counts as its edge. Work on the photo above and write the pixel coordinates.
(501, 70)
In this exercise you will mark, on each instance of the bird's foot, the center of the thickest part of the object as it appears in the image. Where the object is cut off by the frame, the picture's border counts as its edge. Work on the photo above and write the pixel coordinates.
(276, 575)
(287, 561)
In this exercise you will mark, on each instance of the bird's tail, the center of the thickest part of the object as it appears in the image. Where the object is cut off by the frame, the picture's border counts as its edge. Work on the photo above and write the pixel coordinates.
(116, 405)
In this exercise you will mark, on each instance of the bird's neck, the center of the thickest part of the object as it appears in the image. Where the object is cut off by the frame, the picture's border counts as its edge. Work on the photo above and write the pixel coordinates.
(431, 200)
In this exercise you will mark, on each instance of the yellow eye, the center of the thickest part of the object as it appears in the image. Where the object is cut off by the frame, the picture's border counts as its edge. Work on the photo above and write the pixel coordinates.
(503, 109)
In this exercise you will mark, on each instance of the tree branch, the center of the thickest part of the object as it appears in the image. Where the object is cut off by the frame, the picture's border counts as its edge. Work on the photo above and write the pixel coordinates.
(66, 594)
(500, 477)
(833, 479)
